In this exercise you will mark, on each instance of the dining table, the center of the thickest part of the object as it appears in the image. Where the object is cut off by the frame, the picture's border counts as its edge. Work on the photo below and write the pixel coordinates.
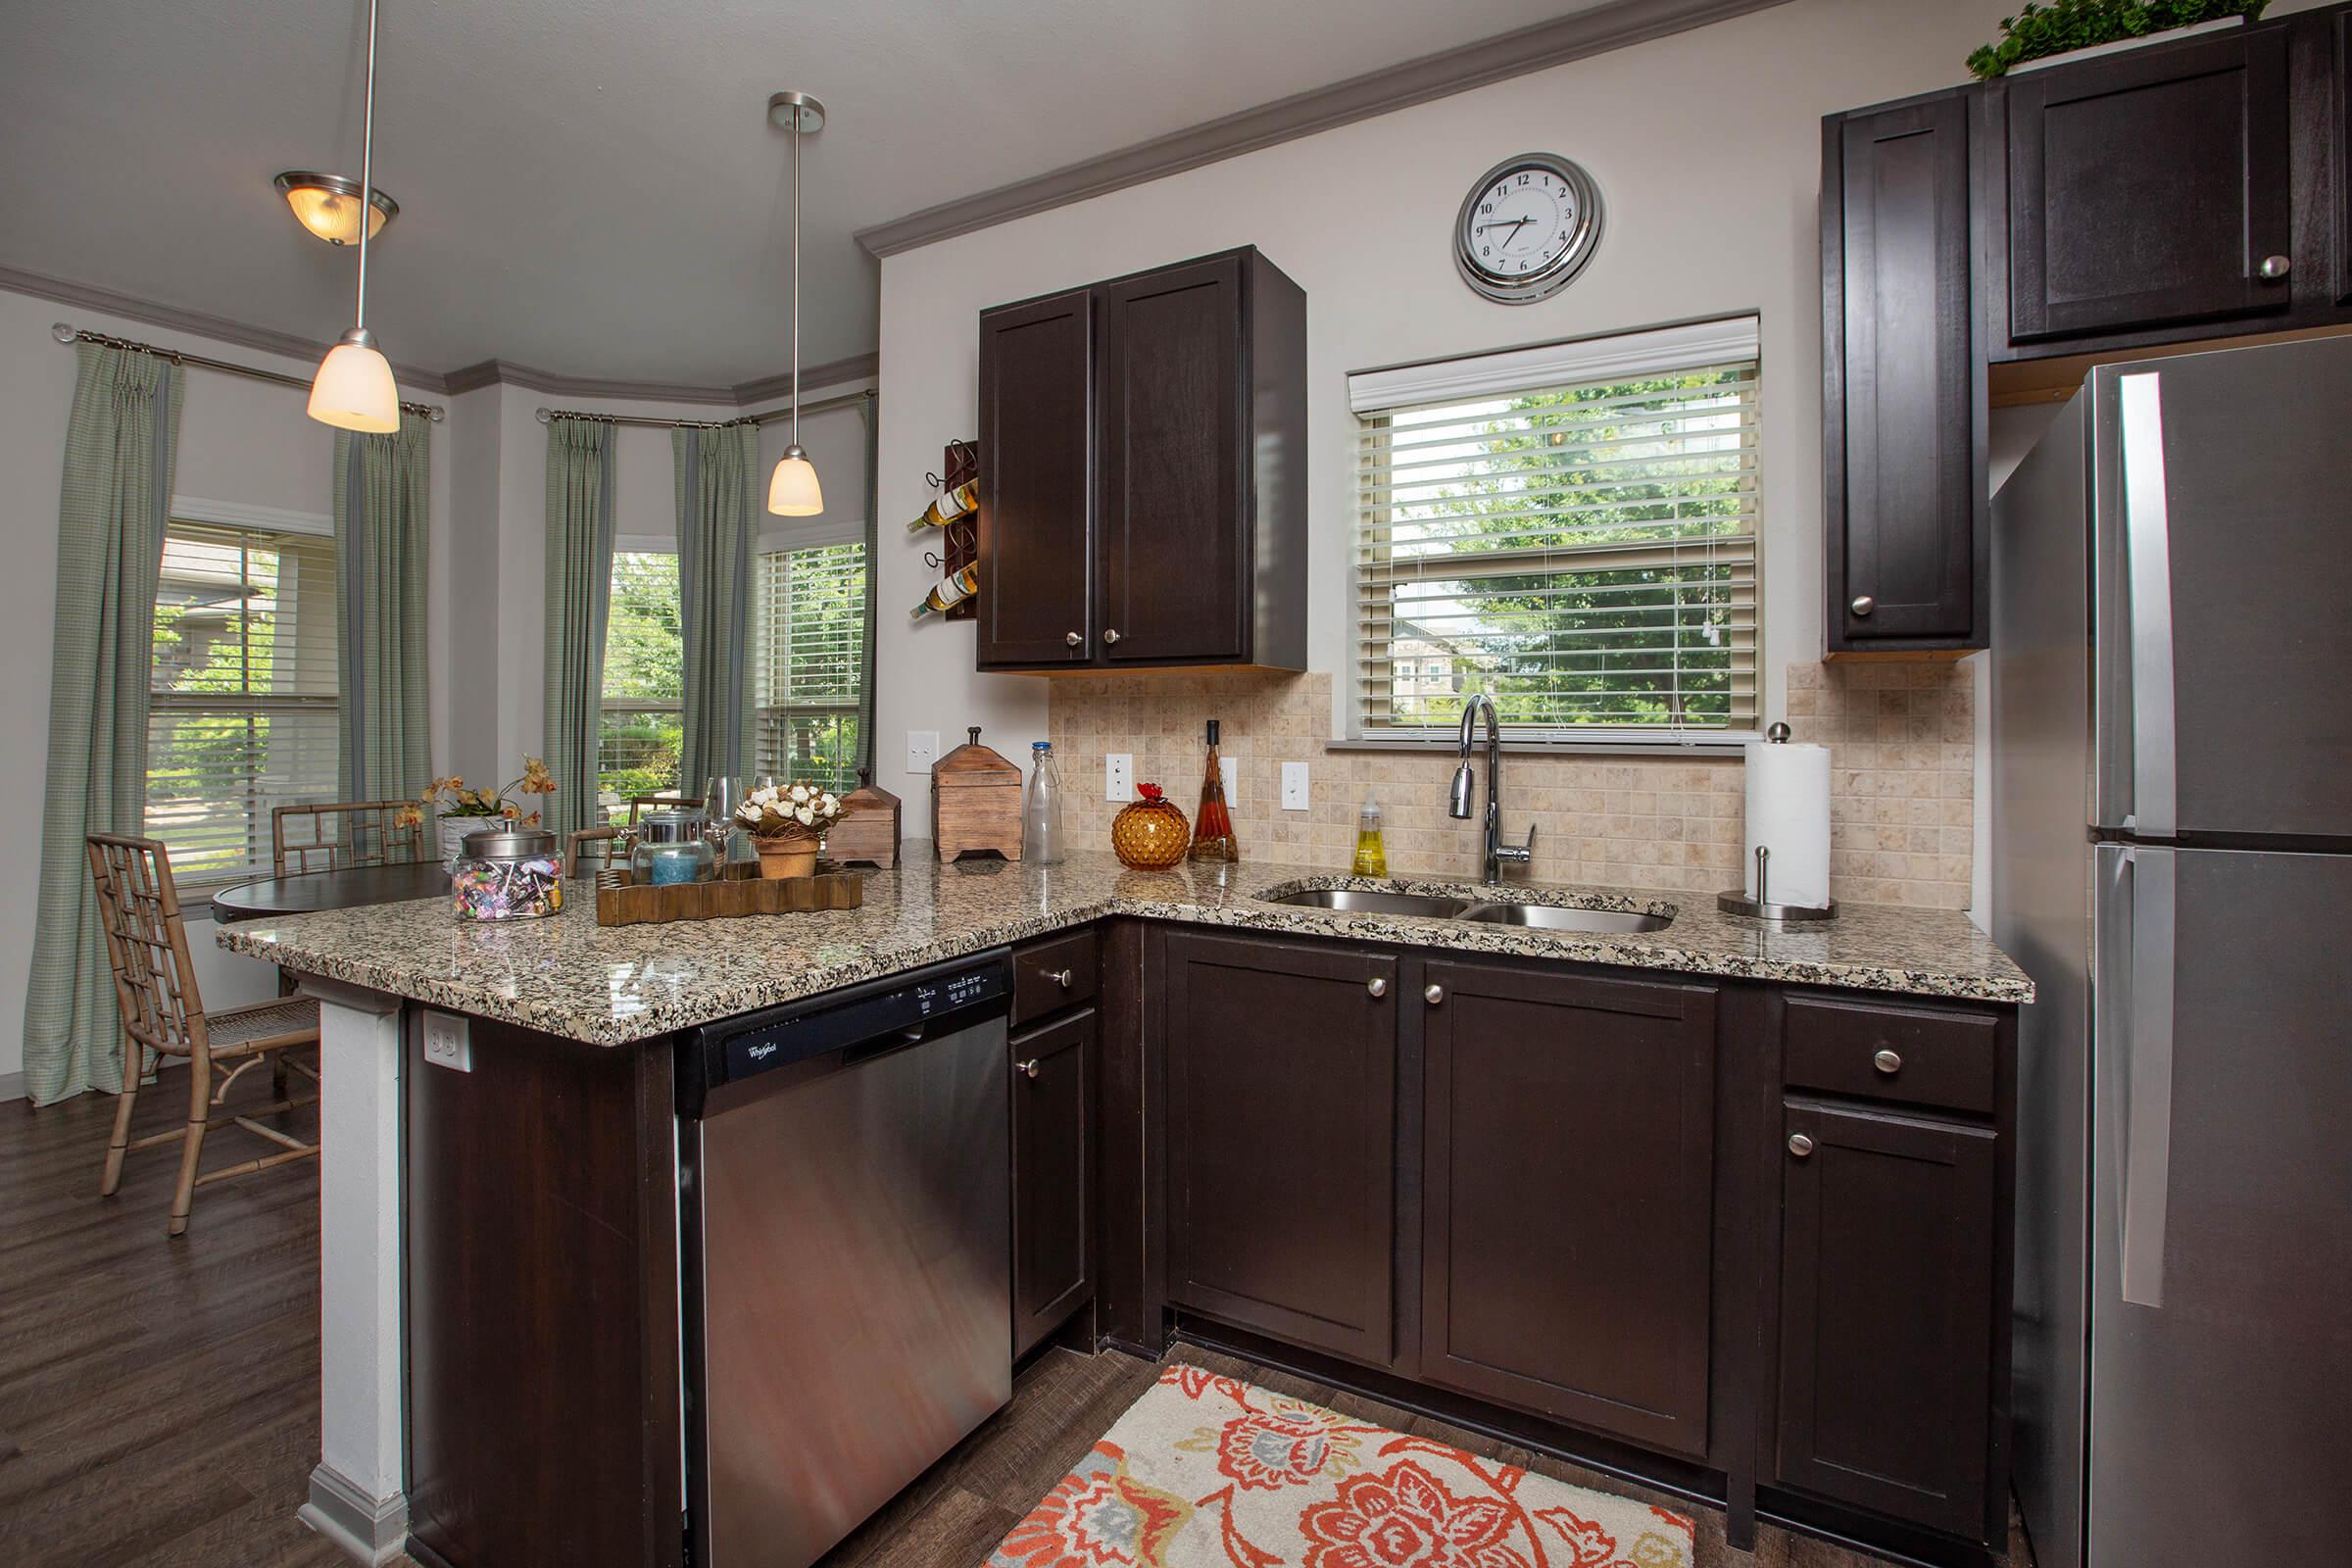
(345, 887)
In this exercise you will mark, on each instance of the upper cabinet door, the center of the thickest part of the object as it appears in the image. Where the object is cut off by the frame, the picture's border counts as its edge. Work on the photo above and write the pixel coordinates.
(2150, 188)
(1902, 428)
(1175, 531)
(1036, 481)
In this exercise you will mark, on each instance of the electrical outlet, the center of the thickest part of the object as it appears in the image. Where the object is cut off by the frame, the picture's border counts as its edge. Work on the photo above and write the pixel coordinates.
(447, 1042)
(1119, 777)
(922, 749)
(1295, 796)
(1229, 770)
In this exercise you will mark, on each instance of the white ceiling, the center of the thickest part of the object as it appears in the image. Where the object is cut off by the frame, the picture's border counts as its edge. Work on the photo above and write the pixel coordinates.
(591, 186)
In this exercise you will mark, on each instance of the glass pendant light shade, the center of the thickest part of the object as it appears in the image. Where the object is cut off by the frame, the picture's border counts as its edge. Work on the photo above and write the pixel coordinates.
(793, 490)
(354, 391)
(329, 206)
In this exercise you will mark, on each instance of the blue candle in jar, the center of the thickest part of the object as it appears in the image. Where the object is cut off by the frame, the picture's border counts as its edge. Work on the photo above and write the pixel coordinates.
(673, 864)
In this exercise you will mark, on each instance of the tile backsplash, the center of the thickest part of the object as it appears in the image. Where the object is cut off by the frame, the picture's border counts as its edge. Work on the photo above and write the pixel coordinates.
(1900, 783)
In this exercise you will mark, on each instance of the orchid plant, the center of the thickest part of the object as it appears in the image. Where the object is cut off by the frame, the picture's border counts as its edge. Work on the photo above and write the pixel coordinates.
(790, 811)
(462, 801)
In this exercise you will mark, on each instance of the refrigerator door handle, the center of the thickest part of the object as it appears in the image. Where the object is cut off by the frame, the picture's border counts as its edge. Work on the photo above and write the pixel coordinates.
(2135, 1013)
(2148, 569)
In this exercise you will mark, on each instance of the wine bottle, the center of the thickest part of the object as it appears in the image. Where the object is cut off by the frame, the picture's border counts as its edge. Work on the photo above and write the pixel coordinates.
(947, 592)
(1213, 825)
(955, 503)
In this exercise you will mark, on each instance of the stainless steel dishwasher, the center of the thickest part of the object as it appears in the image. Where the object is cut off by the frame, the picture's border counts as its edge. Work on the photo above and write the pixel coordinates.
(845, 1290)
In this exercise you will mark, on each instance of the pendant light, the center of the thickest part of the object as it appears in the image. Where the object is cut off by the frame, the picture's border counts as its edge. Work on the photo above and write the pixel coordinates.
(352, 389)
(793, 491)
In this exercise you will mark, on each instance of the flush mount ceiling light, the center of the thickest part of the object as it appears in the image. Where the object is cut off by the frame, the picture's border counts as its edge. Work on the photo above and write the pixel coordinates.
(327, 205)
(793, 491)
(352, 389)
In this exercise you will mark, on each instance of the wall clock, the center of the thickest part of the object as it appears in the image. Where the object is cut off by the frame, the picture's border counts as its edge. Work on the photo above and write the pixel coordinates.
(1526, 228)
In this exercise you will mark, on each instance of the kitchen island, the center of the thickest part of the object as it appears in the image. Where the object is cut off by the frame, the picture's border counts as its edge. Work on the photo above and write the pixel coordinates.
(513, 1245)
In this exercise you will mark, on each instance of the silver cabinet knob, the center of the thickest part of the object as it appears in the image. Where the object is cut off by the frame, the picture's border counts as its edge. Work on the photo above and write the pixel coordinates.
(1799, 1145)
(1377, 985)
(2274, 267)
(1434, 994)
(1028, 1068)
(1862, 606)
(1063, 978)
(1074, 639)
(1887, 1062)
(1111, 634)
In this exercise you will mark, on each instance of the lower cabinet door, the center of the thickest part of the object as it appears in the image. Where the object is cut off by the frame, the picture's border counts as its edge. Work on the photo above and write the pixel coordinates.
(1886, 1325)
(1281, 1142)
(1568, 1208)
(1053, 1173)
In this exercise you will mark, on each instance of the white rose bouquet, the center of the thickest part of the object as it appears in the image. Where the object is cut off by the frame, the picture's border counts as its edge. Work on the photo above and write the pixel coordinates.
(789, 812)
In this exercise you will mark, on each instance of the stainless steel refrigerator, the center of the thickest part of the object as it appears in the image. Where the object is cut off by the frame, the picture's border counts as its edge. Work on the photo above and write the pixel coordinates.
(2172, 830)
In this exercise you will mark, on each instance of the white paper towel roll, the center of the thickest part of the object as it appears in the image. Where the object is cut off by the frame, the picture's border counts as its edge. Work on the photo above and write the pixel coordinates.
(1788, 813)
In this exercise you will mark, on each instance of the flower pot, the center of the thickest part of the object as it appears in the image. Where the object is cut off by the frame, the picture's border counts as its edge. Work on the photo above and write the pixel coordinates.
(781, 857)
(452, 830)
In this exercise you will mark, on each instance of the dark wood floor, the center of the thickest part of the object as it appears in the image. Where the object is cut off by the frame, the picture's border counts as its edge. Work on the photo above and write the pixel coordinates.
(159, 1398)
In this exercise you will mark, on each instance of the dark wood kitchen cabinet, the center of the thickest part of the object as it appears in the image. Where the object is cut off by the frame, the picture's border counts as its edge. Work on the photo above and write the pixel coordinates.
(1281, 1138)
(2150, 188)
(1905, 423)
(1053, 1076)
(1144, 473)
(1568, 1197)
(1888, 1312)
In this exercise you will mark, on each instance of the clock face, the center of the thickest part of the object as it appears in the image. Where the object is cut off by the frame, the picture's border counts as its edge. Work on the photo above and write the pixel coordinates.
(1527, 228)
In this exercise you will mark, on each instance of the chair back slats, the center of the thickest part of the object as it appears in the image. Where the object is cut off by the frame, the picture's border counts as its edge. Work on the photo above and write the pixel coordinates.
(331, 835)
(147, 944)
(597, 849)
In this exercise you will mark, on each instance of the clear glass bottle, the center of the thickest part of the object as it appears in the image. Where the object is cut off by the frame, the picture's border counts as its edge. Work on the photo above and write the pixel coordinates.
(1041, 808)
(1371, 856)
(1213, 825)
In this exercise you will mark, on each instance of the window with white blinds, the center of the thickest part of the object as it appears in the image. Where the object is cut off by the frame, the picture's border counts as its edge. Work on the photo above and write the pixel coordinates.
(642, 734)
(811, 652)
(1571, 531)
(243, 698)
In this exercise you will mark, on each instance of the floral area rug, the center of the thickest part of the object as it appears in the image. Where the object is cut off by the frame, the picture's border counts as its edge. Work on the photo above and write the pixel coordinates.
(1211, 1472)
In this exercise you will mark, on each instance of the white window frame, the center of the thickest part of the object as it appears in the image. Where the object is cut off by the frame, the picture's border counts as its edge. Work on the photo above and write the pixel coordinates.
(806, 534)
(1630, 355)
(646, 544)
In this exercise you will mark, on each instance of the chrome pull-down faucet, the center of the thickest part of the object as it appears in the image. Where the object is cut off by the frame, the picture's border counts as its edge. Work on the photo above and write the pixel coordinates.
(1457, 798)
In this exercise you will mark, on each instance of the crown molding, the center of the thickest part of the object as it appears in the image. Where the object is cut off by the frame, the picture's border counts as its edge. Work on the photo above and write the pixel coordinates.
(219, 329)
(1378, 92)
(833, 373)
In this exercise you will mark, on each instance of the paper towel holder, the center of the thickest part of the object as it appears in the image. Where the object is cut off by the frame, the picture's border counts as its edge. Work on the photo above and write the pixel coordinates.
(1761, 906)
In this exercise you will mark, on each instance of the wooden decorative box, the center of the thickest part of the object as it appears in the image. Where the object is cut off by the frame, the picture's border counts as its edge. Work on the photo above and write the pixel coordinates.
(869, 834)
(975, 803)
(740, 891)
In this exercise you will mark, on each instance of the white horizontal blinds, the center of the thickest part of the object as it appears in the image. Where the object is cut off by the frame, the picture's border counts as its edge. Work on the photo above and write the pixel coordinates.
(643, 730)
(1584, 551)
(243, 695)
(810, 619)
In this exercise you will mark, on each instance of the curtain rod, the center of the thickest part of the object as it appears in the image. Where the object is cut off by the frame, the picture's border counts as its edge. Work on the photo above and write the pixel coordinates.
(69, 335)
(819, 405)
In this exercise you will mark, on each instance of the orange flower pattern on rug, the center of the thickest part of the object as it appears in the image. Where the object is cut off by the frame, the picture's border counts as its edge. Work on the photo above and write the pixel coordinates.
(1210, 1472)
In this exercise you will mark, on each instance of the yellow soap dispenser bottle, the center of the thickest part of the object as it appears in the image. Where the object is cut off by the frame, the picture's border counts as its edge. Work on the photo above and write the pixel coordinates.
(1371, 856)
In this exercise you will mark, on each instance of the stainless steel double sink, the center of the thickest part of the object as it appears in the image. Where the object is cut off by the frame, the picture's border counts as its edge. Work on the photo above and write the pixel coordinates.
(1441, 906)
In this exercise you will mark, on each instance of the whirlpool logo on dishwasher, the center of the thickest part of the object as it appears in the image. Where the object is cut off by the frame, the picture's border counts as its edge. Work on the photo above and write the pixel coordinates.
(760, 1052)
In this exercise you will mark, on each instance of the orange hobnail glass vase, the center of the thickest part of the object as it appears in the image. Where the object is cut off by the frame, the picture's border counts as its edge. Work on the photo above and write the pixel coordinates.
(1151, 834)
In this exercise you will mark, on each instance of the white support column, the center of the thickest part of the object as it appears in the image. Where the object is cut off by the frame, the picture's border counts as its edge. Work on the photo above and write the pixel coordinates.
(358, 1491)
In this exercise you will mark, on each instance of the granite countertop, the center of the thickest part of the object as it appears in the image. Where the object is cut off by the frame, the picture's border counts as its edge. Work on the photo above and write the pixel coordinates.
(609, 985)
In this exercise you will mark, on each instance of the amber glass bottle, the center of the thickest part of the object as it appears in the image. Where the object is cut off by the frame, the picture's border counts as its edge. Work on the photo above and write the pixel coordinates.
(1213, 825)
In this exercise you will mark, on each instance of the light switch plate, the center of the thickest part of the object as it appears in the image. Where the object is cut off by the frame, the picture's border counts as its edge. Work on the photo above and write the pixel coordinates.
(1229, 769)
(1119, 777)
(1293, 787)
(447, 1041)
(922, 749)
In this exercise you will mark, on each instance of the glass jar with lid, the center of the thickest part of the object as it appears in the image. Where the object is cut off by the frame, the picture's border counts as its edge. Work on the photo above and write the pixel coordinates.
(670, 848)
(508, 872)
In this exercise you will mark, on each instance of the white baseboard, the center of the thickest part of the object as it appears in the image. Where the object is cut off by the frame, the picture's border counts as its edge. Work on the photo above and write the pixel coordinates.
(12, 1085)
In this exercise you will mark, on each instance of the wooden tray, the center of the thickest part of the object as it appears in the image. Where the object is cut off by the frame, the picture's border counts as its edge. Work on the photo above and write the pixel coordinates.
(740, 891)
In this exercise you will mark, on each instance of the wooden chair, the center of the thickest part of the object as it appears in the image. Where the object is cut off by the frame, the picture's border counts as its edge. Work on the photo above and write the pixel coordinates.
(147, 944)
(597, 849)
(330, 835)
(663, 803)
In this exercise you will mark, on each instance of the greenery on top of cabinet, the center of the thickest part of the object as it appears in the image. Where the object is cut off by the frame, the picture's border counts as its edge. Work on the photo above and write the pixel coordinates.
(2038, 31)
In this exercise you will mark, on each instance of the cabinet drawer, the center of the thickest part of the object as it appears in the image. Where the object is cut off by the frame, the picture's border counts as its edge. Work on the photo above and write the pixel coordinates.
(1055, 973)
(1930, 1058)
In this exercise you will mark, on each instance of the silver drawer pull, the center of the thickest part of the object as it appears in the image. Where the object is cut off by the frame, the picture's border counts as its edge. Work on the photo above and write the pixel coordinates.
(1799, 1145)
(2274, 267)
(1028, 1068)
(1887, 1062)
(1063, 978)
(1111, 635)
(1074, 639)
(1377, 985)
(1434, 994)
(1862, 606)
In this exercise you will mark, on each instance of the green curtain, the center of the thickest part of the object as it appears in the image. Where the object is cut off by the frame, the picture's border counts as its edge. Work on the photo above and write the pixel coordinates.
(715, 474)
(579, 590)
(113, 503)
(382, 518)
